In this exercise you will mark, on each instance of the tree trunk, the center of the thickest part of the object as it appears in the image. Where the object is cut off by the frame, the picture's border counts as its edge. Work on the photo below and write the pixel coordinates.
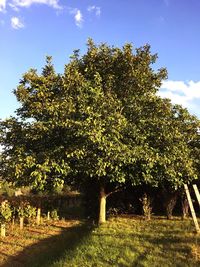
(102, 206)
(185, 208)
(171, 204)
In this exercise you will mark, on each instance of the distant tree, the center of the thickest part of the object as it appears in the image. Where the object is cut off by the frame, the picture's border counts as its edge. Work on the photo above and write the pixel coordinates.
(172, 137)
(100, 120)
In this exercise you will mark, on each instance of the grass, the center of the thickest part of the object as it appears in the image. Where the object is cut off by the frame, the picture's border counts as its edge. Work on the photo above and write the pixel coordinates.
(122, 241)
(39, 245)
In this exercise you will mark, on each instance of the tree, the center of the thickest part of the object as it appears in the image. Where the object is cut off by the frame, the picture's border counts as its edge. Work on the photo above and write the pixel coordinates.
(99, 121)
(172, 139)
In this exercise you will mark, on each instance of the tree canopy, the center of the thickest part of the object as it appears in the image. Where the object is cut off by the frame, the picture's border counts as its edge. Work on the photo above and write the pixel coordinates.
(101, 120)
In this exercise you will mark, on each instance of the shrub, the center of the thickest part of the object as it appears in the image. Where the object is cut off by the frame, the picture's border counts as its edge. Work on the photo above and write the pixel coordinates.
(146, 206)
(5, 212)
(54, 215)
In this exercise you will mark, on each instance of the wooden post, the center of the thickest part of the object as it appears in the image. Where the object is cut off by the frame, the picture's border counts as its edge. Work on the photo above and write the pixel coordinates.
(191, 208)
(21, 223)
(38, 216)
(3, 230)
(196, 190)
(48, 215)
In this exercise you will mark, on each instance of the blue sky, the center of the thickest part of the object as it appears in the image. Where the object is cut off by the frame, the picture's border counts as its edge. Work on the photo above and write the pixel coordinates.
(32, 29)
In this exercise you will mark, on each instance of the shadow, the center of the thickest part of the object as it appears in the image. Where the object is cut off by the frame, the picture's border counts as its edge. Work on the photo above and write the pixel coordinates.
(49, 250)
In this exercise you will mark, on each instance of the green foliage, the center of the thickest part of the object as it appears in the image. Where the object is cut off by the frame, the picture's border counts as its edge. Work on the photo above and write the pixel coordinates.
(5, 212)
(25, 210)
(30, 211)
(83, 122)
(6, 189)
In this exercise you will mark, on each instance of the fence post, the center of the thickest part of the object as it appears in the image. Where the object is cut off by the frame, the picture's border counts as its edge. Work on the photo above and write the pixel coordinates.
(3, 230)
(38, 219)
(21, 223)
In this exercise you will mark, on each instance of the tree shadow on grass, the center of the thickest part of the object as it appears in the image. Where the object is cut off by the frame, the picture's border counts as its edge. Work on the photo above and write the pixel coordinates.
(49, 250)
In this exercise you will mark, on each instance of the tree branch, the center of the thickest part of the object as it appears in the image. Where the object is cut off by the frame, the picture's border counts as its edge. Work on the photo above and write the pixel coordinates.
(115, 191)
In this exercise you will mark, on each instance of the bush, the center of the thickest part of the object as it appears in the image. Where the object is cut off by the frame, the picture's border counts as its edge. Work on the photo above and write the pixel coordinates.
(5, 212)
(25, 210)
(147, 206)
(54, 215)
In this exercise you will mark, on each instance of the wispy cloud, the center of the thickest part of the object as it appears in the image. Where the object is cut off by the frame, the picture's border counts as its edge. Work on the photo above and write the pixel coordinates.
(2, 5)
(78, 16)
(16, 23)
(95, 9)
(16, 4)
(180, 92)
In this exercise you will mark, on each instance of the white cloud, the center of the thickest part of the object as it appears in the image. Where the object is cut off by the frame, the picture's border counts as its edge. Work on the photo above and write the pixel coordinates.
(190, 89)
(78, 17)
(98, 11)
(180, 92)
(95, 9)
(16, 4)
(2, 5)
(175, 98)
(16, 23)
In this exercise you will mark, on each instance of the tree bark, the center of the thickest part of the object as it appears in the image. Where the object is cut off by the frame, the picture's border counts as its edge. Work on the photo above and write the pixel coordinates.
(171, 204)
(102, 206)
(185, 208)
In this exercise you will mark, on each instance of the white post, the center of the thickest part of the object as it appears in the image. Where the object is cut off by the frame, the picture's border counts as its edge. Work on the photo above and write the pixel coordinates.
(192, 208)
(21, 223)
(3, 230)
(196, 190)
(38, 216)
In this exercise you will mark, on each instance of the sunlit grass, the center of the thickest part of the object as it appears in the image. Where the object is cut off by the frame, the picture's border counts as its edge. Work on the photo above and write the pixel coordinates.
(122, 241)
(135, 242)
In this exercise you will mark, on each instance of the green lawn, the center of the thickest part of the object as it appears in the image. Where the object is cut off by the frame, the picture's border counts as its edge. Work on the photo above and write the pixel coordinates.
(122, 241)
(135, 242)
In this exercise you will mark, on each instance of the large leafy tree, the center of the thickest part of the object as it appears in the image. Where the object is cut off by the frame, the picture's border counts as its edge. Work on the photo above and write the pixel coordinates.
(99, 121)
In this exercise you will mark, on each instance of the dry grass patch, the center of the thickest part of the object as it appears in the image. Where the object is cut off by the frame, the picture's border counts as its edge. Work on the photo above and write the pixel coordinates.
(21, 246)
